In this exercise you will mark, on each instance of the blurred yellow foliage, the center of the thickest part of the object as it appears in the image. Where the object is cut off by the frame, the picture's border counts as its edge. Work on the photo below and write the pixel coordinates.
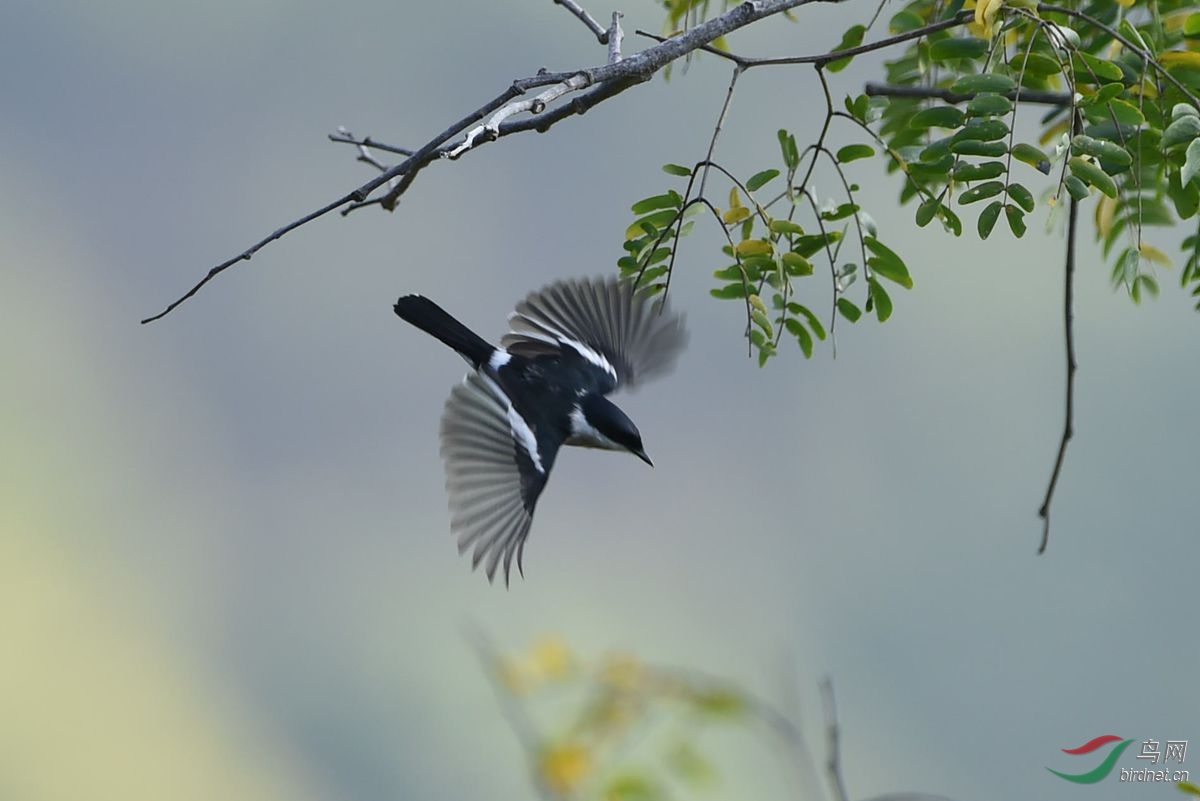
(563, 767)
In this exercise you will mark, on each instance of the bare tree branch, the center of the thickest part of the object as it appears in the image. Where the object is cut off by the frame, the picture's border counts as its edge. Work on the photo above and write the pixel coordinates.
(586, 18)
(606, 81)
(1069, 329)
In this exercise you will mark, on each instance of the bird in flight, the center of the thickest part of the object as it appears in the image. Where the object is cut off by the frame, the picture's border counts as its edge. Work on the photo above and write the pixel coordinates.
(571, 343)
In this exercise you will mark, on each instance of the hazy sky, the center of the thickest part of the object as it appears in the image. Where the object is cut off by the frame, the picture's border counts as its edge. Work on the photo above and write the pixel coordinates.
(225, 564)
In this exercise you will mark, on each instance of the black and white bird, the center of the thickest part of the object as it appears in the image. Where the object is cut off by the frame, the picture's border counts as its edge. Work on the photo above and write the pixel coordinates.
(571, 343)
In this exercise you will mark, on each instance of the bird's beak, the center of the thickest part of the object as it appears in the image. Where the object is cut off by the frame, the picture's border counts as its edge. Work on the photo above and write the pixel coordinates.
(642, 455)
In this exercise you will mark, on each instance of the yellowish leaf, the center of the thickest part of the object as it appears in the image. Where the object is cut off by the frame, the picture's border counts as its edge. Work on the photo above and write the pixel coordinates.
(622, 671)
(735, 215)
(550, 658)
(1106, 209)
(1180, 58)
(753, 247)
(1153, 254)
(563, 767)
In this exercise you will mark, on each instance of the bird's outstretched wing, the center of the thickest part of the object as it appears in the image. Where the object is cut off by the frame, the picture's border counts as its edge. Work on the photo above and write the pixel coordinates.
(491, 477)
(624, 333)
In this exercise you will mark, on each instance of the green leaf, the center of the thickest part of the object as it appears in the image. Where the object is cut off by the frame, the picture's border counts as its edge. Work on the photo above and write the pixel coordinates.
(1038, 64)
(676, 169)
(1185, 198)
(950, 220)
(983, 82)
(848, 310)
(813, 322)
(964, 47)
(1022, 197)
(785, 227)
(1125, 112)
(651, 224)
(926, 212)
(1016, 220)
(840, 213)
(1190, 787)
(988, 130)
(760, 179)
(762, 321)
(989, 105)
(1130, 32)
(972, 147)
(936, 150)
(670, 200)
(852, 38)
(729, 291)
(1090, 69)
(883, 303)
(981, 192)
(858, 107)
(1076, 188)
(851, 153)
(988, 217)
(1034, 157)
(966, 171)
(1184, 129)
(796, 264)
(905, 21)
(787, 146)
(886, 263)
(733, 272)
(1184, 109)
(1102, 95)
(797, 330)
(809, 244)
(1092, 175)
(1103, 149)
(937, 117)
(1191, 164)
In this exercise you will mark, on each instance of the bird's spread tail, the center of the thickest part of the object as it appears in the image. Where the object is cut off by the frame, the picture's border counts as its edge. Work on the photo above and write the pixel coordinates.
(437, 322)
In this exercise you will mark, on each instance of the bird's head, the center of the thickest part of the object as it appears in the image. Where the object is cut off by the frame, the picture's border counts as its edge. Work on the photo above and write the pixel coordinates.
(597, 422)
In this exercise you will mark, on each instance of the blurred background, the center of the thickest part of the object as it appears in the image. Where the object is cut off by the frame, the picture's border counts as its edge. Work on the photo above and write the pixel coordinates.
(225, 564)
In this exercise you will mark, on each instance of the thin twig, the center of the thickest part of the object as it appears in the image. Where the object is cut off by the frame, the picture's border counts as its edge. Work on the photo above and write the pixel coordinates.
(587, 19)
(712, 143)
(343, 136)
(833, 759)
(823, 59)
(1062, 99)
(1069, 327)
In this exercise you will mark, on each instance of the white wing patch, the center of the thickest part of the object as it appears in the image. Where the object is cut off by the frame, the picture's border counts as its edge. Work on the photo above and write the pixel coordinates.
(500, 358)
(520, 429)
(593, 356)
